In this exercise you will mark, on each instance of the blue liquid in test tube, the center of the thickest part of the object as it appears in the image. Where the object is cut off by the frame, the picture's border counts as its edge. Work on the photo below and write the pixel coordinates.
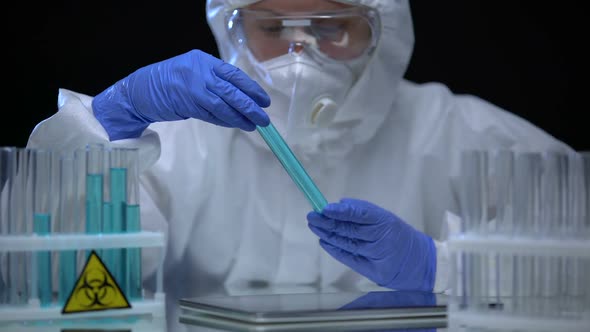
(43, 196)
(94, 203)
(42, 226)
(67, 274)
(107, 221)
(282, 151)
(118, 184)
(67, 222)
(133, 280)
(94, 189)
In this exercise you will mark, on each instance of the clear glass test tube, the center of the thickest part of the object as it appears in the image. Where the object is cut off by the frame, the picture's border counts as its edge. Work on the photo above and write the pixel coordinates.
(42, 220)
(19, 223)
(547, 268)
(8, 165)
(474, 206)
(133, 277)
(474, 200)
(504, 179)
(293, 167)
(585, 274)
(586, 193)
(67, 223)
(575, 220)
(503, 164)
(22, 216)
(527, 179)
(561, 223)
(527, 176)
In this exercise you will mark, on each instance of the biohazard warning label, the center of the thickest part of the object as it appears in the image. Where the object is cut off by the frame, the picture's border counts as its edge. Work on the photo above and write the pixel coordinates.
(95, 289)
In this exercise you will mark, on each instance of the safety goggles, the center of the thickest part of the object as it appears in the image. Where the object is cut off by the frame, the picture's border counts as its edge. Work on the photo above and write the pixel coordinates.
(343, 35)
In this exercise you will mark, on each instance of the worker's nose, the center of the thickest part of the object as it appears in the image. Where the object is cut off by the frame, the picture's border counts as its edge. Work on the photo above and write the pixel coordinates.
(296, 47)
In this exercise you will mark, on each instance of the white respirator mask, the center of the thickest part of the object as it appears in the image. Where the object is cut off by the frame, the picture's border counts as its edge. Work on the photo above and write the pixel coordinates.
(306, 93)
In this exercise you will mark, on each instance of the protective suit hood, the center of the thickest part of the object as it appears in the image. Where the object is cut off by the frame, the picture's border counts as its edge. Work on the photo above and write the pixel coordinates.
(368, 102)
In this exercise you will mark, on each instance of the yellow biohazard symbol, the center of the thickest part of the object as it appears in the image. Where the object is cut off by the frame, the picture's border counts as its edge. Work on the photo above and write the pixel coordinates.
(96, 289)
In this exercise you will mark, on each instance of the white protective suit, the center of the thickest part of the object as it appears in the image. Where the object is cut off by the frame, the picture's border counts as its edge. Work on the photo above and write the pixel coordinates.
(234, 217)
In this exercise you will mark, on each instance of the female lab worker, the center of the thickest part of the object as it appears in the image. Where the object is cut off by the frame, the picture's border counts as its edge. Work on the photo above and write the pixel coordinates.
(329, 76)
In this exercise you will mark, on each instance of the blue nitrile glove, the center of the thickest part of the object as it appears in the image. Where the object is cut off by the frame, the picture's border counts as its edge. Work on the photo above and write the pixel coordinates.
(377, 244)
(191, 85)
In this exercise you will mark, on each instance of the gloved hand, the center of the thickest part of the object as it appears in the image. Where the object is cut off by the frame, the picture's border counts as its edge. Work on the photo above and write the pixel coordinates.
(377, 244)
(191, 85)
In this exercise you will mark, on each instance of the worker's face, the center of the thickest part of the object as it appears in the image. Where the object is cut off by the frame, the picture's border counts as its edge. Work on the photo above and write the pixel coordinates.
(341, 35)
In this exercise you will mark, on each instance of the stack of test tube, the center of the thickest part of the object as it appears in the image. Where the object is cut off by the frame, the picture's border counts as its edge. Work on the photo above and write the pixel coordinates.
(56, 208)
(112, 204)
(521, 261)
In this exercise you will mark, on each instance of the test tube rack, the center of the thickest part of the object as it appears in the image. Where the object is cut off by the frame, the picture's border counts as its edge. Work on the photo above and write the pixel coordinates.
(520, 259)
(508, 312)
(25, 314)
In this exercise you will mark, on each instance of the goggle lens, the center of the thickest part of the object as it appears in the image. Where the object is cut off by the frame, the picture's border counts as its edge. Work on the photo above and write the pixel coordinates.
(341, 35)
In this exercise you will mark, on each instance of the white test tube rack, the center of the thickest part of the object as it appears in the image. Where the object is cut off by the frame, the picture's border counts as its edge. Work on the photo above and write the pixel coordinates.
(467, 319)
(153, 306)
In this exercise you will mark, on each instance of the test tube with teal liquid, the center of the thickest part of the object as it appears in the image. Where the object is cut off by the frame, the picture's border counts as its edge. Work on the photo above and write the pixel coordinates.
(117, 174)
(68, 222)
(107, 255)
(293, 167)
(133, 278)
(42, 194)
(94, 188)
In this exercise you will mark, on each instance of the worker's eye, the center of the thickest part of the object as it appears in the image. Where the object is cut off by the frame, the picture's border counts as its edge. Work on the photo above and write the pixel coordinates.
(330, 32)
(330, 29)
(270, 27)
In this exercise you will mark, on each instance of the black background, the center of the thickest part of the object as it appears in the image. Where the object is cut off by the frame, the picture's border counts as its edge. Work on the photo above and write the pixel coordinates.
(524, 56)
